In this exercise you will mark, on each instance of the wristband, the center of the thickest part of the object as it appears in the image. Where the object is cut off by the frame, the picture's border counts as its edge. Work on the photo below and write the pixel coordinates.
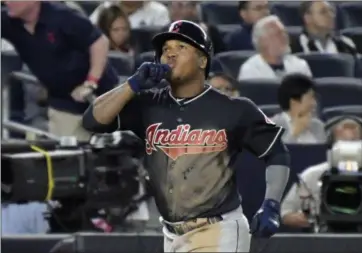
(133, 84)
(92, 79)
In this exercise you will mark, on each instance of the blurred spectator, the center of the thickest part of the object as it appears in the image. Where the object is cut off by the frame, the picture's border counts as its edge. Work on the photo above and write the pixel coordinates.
(273, 59)
(223, 83)
(250, 13)
(66, 53)
(303, 197)
(23, 218)
(115, 25)
(319, 31)
(188, 10)
(140, 13)
(296, 97)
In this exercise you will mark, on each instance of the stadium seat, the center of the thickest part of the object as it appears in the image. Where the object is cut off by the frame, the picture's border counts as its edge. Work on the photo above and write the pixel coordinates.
(294, 32)
(141, 38)
(332, 112)
(224, 30)
(288, 12)
(232, 60)
(10, 61)
(338, 91)
(144, 57)
(216, 13)
(123, 63)
(217, 67)
(355, 34)
(359, 66)
(270, 110)
(330, 65)
(351, 14)
(261, 91)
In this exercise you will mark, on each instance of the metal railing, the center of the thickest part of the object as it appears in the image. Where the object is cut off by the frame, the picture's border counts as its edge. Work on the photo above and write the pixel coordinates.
(23, 129)
(7, 124)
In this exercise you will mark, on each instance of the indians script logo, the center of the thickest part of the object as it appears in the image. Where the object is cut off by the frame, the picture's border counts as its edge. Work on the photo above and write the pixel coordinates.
(182, 141)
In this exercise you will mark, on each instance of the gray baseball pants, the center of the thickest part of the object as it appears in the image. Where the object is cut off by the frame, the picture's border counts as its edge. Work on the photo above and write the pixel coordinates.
(229, 235)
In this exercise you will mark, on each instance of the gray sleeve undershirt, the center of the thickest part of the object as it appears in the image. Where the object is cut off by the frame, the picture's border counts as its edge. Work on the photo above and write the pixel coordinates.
(276, 177)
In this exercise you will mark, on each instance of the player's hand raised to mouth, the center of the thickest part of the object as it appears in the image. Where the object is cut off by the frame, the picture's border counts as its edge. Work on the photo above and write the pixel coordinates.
(148, 76)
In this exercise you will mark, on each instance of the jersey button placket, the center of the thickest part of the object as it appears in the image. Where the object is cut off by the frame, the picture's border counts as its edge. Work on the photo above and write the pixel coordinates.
(179, 119)
(170, 188)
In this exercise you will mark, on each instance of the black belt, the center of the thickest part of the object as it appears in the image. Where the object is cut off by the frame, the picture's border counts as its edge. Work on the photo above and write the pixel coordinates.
(182, 228)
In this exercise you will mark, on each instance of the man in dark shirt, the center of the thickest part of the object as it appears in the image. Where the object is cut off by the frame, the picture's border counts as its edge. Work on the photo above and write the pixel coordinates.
(318, 35)
(192, 136)
(250, 13)
(65, 52)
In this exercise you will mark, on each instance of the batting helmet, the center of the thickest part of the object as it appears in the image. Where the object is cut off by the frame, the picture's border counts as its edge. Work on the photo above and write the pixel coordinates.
(188, 32)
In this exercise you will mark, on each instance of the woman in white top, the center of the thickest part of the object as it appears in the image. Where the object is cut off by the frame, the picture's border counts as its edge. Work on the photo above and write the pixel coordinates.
(140, 13)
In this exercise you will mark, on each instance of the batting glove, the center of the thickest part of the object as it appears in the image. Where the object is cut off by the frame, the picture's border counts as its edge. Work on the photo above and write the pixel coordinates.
(266, 221)
(148, 76)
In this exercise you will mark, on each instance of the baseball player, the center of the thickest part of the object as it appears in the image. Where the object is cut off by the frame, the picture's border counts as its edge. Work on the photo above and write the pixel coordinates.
(192, 135)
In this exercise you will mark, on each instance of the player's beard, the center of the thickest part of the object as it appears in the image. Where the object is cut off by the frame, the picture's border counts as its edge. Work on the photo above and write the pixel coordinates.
(173, 78)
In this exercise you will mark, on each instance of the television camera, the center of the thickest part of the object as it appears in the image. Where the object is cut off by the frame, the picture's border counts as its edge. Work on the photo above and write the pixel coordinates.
(341, 188)
(77, 179)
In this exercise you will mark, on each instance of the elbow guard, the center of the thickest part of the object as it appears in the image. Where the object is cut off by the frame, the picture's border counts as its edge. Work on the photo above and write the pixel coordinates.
(88, 121)
(92, 125)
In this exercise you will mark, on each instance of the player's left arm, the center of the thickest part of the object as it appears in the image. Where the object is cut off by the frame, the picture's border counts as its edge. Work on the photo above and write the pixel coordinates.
(263, 138)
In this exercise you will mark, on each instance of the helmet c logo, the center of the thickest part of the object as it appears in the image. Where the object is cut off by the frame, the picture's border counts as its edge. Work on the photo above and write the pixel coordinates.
(176, 27)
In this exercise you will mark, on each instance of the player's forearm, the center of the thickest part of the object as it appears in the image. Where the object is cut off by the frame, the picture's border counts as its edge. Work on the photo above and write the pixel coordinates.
(276, 177)
(107, 107)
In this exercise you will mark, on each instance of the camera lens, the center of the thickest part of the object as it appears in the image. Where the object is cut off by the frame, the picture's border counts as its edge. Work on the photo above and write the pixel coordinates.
(344, 197)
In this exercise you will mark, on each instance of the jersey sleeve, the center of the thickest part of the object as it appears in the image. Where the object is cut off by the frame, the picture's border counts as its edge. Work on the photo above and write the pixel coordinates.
(130, 118)
(258, 132)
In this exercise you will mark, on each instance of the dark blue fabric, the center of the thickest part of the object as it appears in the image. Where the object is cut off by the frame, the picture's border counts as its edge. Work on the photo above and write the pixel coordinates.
(240, 39)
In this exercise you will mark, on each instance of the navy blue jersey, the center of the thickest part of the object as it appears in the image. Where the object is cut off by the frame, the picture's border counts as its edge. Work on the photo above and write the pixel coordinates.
(191, 145)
